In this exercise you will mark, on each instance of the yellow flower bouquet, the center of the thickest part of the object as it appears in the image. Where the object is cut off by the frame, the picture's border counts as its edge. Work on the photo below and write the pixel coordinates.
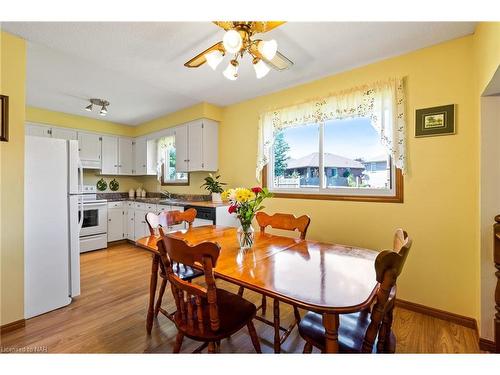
(245, 203)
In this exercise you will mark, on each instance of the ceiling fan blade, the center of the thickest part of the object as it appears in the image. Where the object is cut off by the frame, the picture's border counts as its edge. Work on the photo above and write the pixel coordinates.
(264, 27)
(278, 62)
(255, 26)
(200, 59)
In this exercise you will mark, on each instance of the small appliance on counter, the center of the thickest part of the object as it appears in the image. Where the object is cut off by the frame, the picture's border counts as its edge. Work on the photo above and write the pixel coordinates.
(94, 232)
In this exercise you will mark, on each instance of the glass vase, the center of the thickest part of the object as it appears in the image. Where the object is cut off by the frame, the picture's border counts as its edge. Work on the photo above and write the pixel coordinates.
(246, 236)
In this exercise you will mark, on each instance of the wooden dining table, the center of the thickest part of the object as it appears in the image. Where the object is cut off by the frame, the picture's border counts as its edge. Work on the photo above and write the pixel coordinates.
(329, 279)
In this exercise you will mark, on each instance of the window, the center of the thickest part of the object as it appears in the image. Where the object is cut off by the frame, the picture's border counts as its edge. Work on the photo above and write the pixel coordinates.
(167, 162)
(338, 159)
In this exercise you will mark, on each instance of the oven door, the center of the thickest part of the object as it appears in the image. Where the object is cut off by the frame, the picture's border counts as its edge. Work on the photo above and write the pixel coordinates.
(95, 218)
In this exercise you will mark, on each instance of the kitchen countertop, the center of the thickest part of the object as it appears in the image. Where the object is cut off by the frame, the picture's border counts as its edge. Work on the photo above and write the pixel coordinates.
(171, 202)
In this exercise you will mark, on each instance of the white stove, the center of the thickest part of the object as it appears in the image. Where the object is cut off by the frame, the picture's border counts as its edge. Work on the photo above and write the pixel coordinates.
(93, 235)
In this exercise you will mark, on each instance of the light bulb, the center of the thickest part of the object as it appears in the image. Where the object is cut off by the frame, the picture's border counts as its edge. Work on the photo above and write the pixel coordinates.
(89, 108)
(261, 68)
(231, 72)
(214, 58)
(232, 41)
(268, 48)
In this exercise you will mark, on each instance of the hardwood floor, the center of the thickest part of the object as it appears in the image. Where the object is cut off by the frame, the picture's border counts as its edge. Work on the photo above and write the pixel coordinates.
(110, 315)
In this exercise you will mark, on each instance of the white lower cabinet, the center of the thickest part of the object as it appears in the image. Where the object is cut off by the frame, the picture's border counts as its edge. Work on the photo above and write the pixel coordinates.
(130, 219)
(127, 219)
(116, 229)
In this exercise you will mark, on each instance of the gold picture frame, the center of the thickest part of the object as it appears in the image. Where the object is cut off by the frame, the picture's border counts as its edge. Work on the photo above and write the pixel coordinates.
(4, 118)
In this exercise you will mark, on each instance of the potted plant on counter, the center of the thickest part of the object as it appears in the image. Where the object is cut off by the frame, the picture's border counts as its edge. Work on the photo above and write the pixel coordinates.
(214, 186)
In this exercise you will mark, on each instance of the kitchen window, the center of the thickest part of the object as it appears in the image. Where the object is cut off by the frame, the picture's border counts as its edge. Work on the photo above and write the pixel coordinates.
(167, 163)
(346, 146)
(335, 159)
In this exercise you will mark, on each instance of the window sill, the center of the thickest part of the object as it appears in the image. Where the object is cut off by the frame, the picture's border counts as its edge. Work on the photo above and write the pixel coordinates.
(397, 198)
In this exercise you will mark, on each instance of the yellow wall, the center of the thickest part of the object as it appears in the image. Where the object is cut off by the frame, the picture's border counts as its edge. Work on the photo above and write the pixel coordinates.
(13, 77)
(201, 110)
(486, 52)
(440, 210)
(65, 120)
(91, 177)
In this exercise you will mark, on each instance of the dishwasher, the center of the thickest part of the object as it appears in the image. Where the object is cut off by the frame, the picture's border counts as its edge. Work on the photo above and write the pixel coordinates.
(204, 215)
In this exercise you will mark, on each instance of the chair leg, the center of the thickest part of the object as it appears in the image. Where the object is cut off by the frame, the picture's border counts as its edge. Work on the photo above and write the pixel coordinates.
(297, 314)
(277, 346)
(178, 342)
(160, 296)
(264, 305)
(211, 348)
(308, 348)
(254, 337)
(240, 291)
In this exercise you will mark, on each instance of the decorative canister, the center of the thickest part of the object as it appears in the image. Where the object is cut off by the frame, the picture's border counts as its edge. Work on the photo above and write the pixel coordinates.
(143, 193)
(131, 193)
(138, 192)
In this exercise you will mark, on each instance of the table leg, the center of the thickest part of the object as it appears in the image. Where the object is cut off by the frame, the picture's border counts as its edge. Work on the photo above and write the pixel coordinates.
(152, 291)
(277, 343)
(331, 324)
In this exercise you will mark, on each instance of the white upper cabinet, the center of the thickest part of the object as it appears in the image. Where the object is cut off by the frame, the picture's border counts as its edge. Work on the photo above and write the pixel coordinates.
(109, 155)
(117, 155)
(50, 131)
(125, 156)
(89, 145)
(61, 133)
(196, 145)
(181, 148)
(145, 156)
(37, 130)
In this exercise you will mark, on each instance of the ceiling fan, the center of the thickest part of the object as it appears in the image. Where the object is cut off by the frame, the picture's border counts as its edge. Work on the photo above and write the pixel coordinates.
(236, 41)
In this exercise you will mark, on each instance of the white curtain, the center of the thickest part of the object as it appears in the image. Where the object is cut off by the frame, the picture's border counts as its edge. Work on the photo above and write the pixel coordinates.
(382, 102)
(163, 144)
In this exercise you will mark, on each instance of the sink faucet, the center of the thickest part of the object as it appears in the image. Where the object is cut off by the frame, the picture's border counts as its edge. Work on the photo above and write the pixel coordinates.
(166, 193)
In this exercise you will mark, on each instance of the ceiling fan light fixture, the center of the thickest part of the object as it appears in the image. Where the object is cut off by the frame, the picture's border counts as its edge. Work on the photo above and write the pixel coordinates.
(103, 111)
(214, 58)
(261, 68)
(231, 72)
(89, 108)
(232, 41)
(268, 48)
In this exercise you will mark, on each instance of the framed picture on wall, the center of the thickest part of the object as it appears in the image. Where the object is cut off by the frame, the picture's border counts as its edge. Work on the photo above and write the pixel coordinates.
(435, 121)
(4, 118)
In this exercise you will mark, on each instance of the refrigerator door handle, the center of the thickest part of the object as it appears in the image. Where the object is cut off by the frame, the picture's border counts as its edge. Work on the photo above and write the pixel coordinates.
(80, 211)
(80, 173)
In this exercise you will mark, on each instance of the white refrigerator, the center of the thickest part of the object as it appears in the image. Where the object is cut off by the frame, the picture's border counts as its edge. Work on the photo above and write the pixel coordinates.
(52, 221)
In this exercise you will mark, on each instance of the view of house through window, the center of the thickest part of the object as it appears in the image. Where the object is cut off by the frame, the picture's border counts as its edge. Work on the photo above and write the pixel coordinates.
(353, 157)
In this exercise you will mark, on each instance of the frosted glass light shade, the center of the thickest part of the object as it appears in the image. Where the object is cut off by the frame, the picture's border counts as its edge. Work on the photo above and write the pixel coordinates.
(214, 58)
(268, 48)
(232, 41)
(231, 72)
(261, 69)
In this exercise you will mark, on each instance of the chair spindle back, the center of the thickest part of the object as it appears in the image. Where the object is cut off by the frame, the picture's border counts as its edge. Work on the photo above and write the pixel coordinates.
(190, 299)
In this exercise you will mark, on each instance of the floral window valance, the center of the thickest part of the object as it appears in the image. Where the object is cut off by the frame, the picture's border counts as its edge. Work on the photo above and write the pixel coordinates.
(382, 102)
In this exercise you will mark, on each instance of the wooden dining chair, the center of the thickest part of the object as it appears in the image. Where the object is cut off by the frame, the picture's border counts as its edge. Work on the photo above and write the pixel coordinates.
(283, 222)
(365, 331)
(207, 314)
(160, 225)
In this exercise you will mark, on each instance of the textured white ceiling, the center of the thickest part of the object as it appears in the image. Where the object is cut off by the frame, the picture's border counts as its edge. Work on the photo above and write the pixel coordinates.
(138, 66)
